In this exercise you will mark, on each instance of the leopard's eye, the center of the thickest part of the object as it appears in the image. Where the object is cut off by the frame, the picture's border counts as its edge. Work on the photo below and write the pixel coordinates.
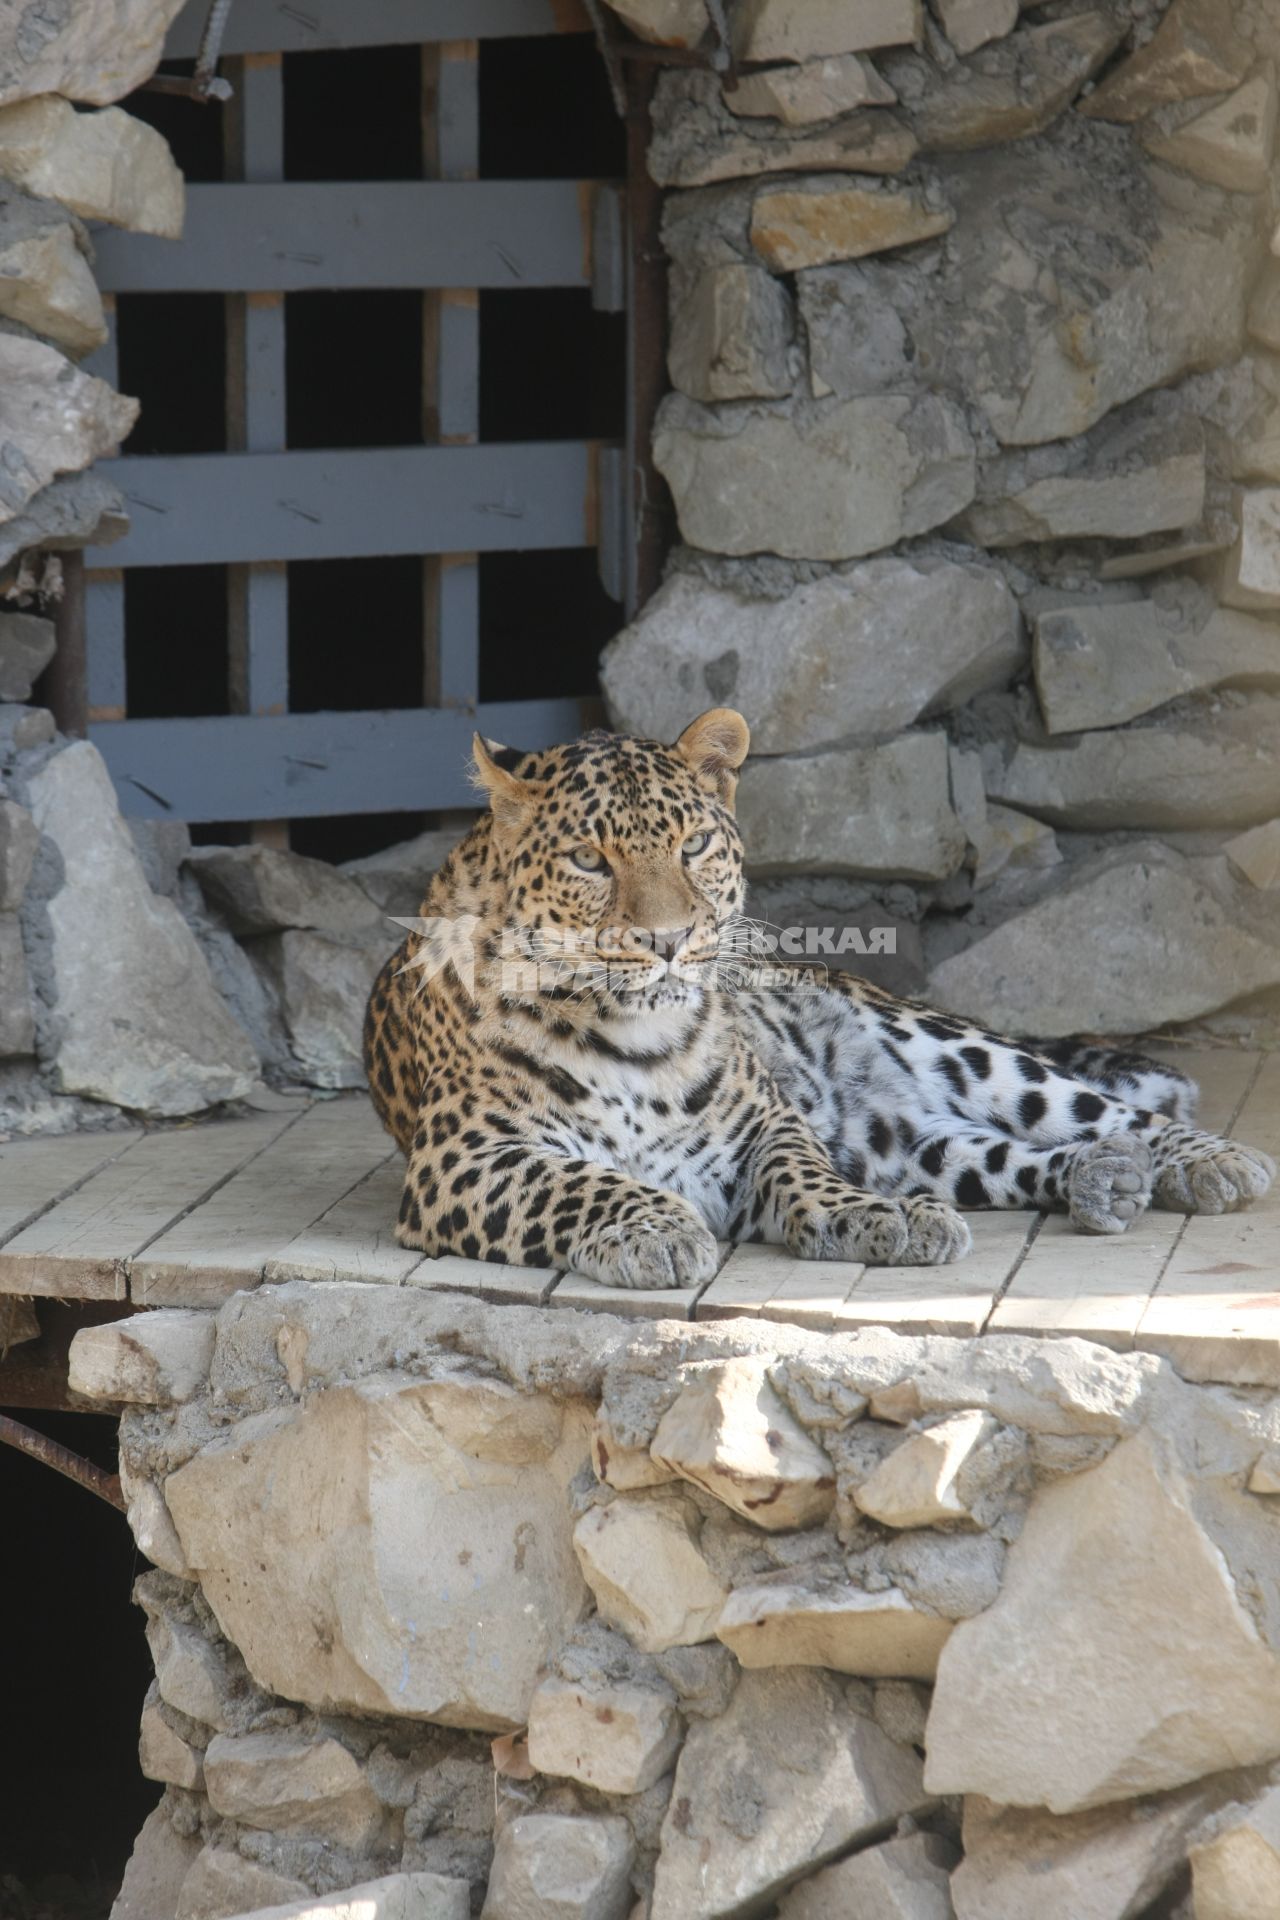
(695, 844)
(589, 860)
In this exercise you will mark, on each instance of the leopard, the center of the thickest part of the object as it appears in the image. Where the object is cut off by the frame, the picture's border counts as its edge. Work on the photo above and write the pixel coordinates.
(586, 1069)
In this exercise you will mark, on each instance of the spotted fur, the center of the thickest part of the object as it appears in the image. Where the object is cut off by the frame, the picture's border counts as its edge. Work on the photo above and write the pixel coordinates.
(620, 1117)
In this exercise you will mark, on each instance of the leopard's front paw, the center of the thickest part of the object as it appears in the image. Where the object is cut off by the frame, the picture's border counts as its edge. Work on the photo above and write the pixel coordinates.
(1214, 1176)
(881, 1233)
(936, 1233)
(652, 1253)
(1109, 1183)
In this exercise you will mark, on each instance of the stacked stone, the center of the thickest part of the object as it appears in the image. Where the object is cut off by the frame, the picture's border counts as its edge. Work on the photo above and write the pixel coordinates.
(571, 1618)
(975, 350)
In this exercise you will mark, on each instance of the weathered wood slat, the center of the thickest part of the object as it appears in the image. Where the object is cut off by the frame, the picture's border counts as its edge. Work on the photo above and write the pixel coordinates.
(297, 236)
(80, 1249)
(36, 1173)
(629, 1303)
(224, 1245)
(267, 766)
(311, 26)
(485, 1280)
(221, 508)
(954, 1299)
(355, 1238)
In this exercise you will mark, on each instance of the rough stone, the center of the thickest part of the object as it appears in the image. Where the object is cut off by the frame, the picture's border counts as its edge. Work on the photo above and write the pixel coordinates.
(1255, 855)
(397, 878)
(697, 140)
(1128, 1695)
(800, 30)
(970, 24)
(1014, 845)
(1098, 663)
(642, 1561)
(731, 333)
(863, 650)
(18, 842)
(103, 166)
(1139, 936)
(816, 221)
(819, 481)
(1235, 1874)
(79, 510)
(158, 1866)
(93, 53)
(320, 984)
(1251, 571)
(816, 1617)
(1264, 307)
(1264, 1475)
(882, 812)
(416, 1527)
(264, 890)
(397, 1896)
(552, 1866)
(289, 1782)
(222, 1883)
(1193, 51)
(163, 846)
(151, 1524)
(620, 1458)
(613, 1736)
(915, 1485)
(189, 1670)
(1229, 143)
(728, 1432)
(156, 1359)
(903, 1879)
(26, 647)
(53, 419)
(738, 1833)
(45, 280)
(1141, 473)
(131, 1014)
(1220, 769)
(1009, 91)
(17, 1009)
(664, 23)
(163, 1754)
(819, 90)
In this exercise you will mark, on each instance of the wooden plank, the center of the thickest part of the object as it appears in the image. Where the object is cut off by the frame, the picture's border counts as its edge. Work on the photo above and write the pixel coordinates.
(486, 1280)
(955, 1299)
(218, 508)
(281, 766)
(300, 235)
(355, 1238)
(810, 1293)
(311, 26)
(745, 1283)
(628, 1303)
(36, 1173)
(80, 1249)
(224, 1245)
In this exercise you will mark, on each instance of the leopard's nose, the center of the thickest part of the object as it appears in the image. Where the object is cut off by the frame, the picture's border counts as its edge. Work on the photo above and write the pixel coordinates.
(667, 941)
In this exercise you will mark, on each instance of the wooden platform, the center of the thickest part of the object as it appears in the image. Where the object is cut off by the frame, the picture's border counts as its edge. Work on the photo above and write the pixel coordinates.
(308, 1191)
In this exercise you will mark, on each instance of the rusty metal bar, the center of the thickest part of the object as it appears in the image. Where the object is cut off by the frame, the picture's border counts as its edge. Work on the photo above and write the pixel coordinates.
(38, 1446)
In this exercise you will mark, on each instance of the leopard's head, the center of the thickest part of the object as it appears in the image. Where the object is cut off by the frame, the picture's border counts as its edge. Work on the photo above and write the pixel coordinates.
(619, 861)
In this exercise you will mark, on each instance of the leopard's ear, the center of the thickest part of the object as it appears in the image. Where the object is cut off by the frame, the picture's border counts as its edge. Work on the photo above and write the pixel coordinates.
(715, 746)
(511, 798)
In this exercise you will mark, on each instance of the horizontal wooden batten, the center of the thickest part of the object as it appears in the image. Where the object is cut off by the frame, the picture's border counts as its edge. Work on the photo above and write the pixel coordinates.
(287, 237)
(269, 767)
(227, 508)
(310, 26)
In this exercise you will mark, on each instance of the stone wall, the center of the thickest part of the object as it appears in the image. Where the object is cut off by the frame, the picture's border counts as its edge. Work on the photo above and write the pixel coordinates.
(973, 444)
(563, 1616)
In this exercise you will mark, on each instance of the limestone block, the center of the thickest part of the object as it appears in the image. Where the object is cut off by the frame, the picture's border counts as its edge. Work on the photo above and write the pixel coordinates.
(1129, 1694)
(865, 649)
(320, 985)
(791, 1775)
(1264, 1475)
(1229, 143)
(53, 419)
(103, 166)
(1138, 936)
(133, 1016)
(698, 140)
(904, 1879)
(289, 1782)
(1219, 771)
(93, 53)
(153, 1359)
(643, 1563)
(809, 29)
(729, 1433)
(820, 481)
(1264, 307)
(151, 1524)
(970, 24)
(1098, 663)
(616, 1737)
(158, 1867)
(265, 889)
(396, 878)
(730, 334)
(1014, 844)
(26, 647)
(877, 812)
(1010, 91)
(818, 90)
(915, 1485)
(163, 1754)
(397, 1896)
(45, 280)
(818, 1618)
(79, 510)
(414, 1528)
(553, 1866)
(18, 842)
(664, 23)
(815, 222)
(1235, 1875)
(1251, 571)
(17, 1009)
(1193, 51)
(619, 1461)
(222, 1883)
(189, 1670)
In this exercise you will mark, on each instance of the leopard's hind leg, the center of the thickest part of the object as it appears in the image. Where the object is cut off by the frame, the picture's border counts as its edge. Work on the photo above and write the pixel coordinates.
(1125, 1073)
